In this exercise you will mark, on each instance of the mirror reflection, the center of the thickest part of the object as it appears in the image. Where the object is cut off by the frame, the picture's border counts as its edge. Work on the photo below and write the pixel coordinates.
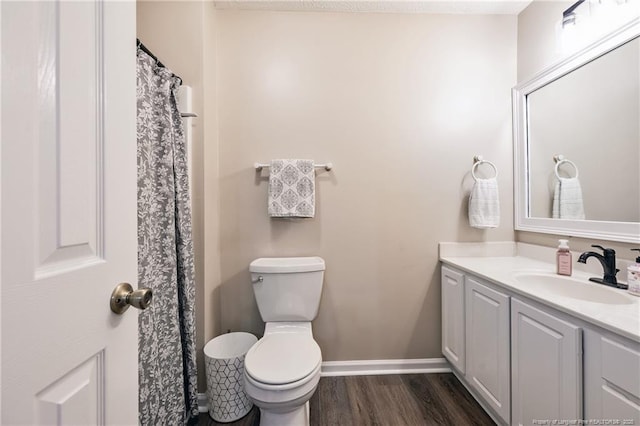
(583, 141)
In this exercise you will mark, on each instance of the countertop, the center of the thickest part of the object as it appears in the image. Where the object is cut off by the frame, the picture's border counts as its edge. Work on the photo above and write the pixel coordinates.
(622, 319)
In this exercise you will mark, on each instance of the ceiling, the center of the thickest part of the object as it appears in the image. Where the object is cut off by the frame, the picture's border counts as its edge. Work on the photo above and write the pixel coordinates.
(482, 7)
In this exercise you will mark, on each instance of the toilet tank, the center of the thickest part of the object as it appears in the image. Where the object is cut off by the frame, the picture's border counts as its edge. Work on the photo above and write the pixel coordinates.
(287, 288)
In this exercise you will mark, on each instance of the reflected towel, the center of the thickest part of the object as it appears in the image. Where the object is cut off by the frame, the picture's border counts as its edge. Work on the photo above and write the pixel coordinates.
(484, 204)
(292, 188)
(567, 199)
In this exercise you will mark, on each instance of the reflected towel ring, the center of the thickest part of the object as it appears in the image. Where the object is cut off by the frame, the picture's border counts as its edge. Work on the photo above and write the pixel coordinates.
(477, 160)
(560, 160)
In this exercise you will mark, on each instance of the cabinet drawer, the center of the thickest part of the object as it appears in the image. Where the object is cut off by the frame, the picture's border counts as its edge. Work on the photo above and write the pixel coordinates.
(621, 366)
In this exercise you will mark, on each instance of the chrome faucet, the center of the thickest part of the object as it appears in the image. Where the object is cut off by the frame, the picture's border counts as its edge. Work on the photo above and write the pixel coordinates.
(608, 261)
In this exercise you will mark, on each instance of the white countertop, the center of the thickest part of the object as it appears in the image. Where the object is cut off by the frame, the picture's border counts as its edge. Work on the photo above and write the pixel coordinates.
(623, 319)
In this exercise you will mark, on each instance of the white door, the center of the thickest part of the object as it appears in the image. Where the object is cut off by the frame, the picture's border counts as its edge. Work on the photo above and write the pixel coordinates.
(546, 363)
(453, 318)
(488, 352)
(68, 212)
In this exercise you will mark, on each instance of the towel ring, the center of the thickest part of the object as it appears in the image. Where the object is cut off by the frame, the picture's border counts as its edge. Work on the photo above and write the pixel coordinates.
(477, 160)
(560, 160)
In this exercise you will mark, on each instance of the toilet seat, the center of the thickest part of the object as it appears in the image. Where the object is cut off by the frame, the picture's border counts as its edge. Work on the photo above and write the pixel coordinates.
(283, 358)
(300, 387)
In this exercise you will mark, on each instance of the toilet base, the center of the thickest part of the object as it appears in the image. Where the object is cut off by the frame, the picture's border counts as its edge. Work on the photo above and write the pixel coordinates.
(297, 417)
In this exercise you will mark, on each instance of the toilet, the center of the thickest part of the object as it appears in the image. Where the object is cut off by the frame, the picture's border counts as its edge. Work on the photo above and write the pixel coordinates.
(282, 370)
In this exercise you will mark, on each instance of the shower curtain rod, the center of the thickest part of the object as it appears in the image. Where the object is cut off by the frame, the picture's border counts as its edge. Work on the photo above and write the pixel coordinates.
(146, 50)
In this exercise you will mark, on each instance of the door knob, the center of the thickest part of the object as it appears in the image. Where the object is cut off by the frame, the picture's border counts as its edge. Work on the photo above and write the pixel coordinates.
(124, 296)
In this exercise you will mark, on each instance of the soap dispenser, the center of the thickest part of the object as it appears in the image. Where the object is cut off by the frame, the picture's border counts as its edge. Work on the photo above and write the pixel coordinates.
(633, 276)
(563, 258)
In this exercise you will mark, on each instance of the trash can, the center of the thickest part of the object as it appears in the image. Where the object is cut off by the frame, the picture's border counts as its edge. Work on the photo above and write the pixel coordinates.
(224, 366)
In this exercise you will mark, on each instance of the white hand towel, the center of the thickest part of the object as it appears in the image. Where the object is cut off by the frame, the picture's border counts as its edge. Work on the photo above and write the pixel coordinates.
(484, 204)
(292, 188)
(567, 199)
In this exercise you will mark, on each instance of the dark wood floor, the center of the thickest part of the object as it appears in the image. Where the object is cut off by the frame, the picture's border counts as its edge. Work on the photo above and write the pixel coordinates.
(393, 400)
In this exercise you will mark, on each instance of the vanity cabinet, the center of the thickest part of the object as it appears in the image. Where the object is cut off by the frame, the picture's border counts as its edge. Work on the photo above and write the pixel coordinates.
(521, 361)
(533, 350)
(546, 366)
(487, 344)
(453, 336)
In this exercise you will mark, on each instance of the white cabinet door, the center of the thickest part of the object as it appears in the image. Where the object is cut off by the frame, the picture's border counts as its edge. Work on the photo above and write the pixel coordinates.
(546, 361)
(68, 217)
(612, 378)
(620, 381)
(453, 318)
(487, 344)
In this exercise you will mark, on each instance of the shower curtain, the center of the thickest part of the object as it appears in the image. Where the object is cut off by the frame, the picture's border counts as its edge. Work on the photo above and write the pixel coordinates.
(166, 330)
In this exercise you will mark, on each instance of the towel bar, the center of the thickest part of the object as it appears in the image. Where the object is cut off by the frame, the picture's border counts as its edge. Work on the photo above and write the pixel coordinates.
(327, 167)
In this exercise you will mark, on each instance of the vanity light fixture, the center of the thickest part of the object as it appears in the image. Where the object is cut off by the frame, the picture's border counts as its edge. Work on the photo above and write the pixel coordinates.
(583, 24)
(602, 12)
(569, 15)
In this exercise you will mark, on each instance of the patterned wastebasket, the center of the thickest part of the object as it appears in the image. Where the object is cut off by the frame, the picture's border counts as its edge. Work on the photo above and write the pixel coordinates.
(224, 365)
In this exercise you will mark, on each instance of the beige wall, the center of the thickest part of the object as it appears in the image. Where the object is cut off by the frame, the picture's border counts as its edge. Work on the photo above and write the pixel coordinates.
(536, 51)
(182, 35)
(211, 292)
(537, 36)
(400, 104)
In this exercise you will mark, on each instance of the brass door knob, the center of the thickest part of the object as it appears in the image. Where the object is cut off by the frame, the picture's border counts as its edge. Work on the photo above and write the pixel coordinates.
(124, 296)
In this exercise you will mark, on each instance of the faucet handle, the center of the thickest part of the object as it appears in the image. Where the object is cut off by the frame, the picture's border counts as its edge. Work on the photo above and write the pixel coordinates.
(606, 251)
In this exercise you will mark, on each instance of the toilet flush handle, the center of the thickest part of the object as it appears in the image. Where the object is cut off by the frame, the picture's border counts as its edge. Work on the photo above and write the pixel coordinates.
(258, 280)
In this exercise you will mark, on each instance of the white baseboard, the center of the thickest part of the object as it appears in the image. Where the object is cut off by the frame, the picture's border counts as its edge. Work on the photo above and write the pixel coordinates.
(370, 367)
(373, 367)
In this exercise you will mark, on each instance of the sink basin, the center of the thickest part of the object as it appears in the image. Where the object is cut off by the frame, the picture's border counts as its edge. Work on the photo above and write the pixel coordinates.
(573, 288)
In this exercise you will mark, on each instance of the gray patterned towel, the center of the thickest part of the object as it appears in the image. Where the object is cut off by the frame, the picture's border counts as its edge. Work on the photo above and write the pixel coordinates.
(292, 188)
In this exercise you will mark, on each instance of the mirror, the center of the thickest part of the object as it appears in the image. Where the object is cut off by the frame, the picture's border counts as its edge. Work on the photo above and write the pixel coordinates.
(577, 143)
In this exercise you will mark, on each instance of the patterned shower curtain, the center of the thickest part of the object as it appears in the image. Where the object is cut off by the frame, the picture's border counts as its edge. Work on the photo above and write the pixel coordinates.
(166, 330)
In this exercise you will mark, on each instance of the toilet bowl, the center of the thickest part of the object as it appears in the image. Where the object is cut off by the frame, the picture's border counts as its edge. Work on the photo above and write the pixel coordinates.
(282, 371)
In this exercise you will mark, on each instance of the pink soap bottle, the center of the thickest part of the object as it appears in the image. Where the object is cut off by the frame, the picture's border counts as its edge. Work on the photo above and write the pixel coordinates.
(563, 258)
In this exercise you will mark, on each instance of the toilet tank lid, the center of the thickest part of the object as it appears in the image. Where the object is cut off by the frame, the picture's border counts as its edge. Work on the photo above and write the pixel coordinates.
(287, 265)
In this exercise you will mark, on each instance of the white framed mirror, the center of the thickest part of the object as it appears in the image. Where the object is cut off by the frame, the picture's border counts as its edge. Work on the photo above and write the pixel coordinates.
(577, 143)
